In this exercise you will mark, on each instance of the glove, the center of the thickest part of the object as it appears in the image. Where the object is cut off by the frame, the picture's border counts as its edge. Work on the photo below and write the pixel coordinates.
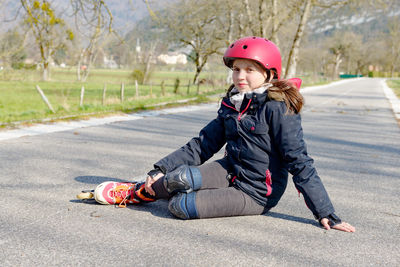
(333, 220)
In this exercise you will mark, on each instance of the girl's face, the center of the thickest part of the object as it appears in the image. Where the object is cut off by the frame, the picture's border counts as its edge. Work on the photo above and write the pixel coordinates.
(247, 75)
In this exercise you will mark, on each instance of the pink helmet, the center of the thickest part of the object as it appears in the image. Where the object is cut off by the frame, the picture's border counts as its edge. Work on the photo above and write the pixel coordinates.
(259, 49)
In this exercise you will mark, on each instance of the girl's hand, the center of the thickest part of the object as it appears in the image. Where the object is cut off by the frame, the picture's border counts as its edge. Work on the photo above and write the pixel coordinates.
(150, 181)
(343, 226)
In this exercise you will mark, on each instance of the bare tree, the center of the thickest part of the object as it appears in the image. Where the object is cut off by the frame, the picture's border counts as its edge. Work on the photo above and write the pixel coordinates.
(12, 46)
(393, 43)
(196, 29)
(306, 10)
(339, 46)
(48, 30)
(93, 20)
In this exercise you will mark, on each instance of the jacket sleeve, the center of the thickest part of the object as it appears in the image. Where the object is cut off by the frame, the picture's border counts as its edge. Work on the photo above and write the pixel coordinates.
(287, 135)
(198, 150)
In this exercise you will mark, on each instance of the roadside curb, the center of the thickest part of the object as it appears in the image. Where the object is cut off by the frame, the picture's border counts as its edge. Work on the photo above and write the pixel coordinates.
(394, 101)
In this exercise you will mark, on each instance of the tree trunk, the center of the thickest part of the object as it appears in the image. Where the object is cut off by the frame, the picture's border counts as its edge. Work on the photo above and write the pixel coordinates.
(241, 29)
(395, 56)
(90, 60)
(148, 63)
(261, 11)
(249, 15)
(78, 68)
(230, 28)
(45, 73)
(200, 62)
(196, 75)
(338, 60)
(294, 51)
(275, 22)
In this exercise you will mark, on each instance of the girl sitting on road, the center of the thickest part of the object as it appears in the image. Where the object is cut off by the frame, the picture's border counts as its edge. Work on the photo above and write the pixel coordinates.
(259, 122)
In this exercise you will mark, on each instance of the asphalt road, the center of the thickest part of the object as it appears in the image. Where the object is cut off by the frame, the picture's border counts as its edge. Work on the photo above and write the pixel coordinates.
(350, 131)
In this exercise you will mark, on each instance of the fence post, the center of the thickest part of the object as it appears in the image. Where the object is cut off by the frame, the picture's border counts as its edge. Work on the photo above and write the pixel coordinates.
(151, 89)
(176, 86)
(162, 88)
(122, 92)
(82, 94)
(45, 98)
(137, 89)
(104, 93)
(188, 87)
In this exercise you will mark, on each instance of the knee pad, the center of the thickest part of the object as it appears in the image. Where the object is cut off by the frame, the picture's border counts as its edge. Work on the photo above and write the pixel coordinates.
(183, 179)
(183, 206)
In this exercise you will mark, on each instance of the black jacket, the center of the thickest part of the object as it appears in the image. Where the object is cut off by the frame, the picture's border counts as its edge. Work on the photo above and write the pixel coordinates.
(263, 143)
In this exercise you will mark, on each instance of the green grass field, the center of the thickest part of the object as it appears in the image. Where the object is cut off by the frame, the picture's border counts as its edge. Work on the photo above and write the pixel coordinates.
(20, 101)
(395, 85)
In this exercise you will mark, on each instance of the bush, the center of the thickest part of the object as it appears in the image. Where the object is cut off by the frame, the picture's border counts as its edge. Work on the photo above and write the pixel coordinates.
(21, 65)
(385, 74)
(138, 75)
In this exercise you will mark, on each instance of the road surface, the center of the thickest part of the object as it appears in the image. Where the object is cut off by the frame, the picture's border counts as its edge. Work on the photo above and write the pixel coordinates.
(351, 133)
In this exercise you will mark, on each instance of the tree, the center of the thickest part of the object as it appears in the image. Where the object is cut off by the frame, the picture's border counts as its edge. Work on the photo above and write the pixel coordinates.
(12, 50)
(339, 46)
(96, 19)
(305, 13)
(196, 29)
(393, 44)
(48, 29)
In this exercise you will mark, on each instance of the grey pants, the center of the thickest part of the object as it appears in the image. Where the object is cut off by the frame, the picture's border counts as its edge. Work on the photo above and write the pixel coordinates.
(216, 198)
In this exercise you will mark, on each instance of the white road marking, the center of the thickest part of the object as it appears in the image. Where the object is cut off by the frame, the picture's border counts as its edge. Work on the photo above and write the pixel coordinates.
(394, 101)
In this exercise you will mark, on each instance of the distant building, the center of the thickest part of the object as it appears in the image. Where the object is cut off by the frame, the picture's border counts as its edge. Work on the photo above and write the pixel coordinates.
(109, 63)
(174, 59)
(29, 61)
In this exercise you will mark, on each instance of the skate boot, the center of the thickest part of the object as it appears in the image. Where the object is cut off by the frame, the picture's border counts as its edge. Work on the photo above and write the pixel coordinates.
(111, 193)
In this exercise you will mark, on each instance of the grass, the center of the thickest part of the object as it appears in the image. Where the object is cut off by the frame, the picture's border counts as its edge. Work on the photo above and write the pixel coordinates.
(20, 101)
(395, 85)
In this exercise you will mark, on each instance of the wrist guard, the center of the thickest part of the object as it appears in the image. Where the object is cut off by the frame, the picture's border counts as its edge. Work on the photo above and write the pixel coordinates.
(154, 172)
(333, 220)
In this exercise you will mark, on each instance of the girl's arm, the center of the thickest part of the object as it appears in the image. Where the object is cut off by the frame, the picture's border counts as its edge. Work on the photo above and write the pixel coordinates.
(287, 135)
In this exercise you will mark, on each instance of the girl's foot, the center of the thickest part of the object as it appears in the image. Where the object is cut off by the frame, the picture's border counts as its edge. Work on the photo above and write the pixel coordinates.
(111, 193)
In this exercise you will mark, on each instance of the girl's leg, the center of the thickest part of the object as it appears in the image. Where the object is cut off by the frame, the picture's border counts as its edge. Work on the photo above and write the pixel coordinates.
(214, 174)
(207, 176)
(210, 203)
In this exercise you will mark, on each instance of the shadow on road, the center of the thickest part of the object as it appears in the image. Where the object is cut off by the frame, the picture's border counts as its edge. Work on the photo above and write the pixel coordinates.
(159, 208)
(291, 218)
(96, 180)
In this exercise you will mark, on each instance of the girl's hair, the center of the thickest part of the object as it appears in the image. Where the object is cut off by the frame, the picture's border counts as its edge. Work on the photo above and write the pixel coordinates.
(281, 90)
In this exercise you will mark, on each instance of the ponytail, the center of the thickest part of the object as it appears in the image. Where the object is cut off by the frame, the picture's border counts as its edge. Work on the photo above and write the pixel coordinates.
(282, 90)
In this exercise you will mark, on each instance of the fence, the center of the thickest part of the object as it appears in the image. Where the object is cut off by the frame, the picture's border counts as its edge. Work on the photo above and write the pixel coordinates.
(134, 92)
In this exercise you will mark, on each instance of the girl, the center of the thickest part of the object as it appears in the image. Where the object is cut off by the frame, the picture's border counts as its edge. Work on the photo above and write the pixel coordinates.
(259, 122)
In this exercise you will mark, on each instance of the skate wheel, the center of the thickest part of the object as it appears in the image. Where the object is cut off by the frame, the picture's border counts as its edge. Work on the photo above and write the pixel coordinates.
(85, 195)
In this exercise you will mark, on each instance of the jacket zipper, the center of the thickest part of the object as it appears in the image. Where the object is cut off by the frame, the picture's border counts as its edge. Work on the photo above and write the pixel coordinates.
(241, 113)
